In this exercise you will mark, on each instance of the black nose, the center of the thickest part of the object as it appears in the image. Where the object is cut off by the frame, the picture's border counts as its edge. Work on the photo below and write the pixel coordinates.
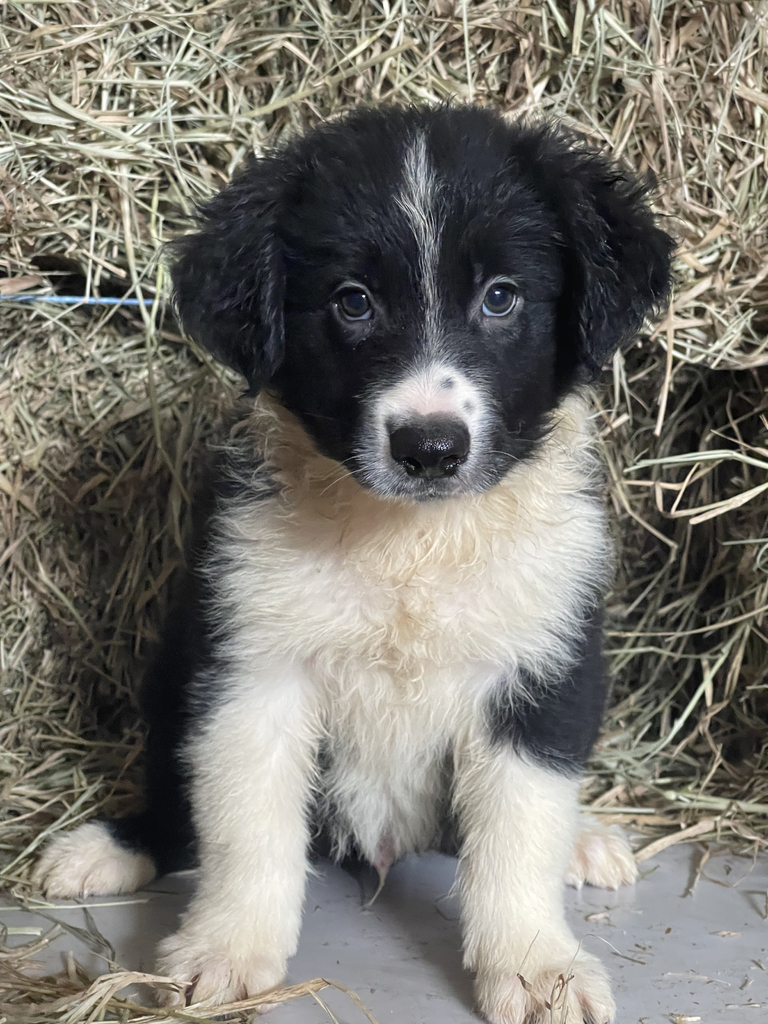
(430, 448)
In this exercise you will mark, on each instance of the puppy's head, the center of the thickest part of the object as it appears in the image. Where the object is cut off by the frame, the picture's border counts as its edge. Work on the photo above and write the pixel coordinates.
(422, 287)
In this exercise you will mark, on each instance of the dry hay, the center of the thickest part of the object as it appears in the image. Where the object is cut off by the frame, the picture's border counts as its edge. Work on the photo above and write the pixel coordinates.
(118, 116)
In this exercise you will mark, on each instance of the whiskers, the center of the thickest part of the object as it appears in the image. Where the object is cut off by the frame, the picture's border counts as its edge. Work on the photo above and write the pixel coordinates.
(507, 455)
(337, 474)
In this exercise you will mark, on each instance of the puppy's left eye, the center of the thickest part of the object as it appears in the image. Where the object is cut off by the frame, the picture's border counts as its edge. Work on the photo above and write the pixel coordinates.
(354, 304)
(500, 299)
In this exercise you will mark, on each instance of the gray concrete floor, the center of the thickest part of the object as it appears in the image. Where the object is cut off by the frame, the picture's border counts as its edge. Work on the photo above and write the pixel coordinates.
(674, 955)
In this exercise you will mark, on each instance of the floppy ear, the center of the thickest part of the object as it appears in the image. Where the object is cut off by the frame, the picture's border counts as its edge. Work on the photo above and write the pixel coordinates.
(228, 278)
(617, 259)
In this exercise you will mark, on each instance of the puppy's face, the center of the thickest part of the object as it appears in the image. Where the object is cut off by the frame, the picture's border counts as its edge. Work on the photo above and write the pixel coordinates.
(417, 291)
(421, 314)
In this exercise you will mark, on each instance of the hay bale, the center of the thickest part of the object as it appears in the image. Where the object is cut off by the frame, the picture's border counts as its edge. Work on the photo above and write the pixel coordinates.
(119, 117)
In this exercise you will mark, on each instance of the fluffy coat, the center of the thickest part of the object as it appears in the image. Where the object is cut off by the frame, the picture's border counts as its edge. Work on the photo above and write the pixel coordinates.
(391, 621)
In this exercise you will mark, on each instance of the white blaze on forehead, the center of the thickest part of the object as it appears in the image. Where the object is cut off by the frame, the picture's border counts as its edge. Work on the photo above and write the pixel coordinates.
(418, 202)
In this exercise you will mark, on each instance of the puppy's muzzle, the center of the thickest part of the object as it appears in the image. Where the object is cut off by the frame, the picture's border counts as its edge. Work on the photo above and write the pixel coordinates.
(430, 448)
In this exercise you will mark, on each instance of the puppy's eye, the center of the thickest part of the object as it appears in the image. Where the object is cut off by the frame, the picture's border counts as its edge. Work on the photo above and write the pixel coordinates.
(500, 299)
(354, 304)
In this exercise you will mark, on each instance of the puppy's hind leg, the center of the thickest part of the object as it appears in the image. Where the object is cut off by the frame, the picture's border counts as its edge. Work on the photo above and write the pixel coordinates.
(93, 860)
(252, 768)
(601, 856)
(120, 855)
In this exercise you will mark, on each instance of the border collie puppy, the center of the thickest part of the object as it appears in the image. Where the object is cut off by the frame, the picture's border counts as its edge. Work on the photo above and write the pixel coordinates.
(392, 615)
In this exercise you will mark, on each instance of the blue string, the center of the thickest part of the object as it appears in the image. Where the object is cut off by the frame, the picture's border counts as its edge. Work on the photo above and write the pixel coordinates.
(75, 300)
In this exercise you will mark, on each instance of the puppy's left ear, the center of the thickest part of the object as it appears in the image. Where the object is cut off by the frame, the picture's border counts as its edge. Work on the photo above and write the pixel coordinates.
(228, 278)
(618, 262)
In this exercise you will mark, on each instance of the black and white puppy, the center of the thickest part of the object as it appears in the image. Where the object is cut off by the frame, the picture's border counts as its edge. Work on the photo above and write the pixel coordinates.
(392, 614)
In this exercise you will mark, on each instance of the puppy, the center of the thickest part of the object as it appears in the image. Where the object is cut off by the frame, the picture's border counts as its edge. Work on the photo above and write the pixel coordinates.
(392, 615)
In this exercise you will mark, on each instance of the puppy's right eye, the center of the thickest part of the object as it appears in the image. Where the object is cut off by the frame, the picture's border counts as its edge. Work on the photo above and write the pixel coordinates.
(354, 304)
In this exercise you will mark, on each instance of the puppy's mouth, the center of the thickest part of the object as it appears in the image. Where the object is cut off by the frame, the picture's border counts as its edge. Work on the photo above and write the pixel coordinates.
(430, 490)
(390, 480)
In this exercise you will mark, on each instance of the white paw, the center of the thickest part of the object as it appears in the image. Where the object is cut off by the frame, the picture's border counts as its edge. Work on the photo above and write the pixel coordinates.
(213, 975)
(88, 862)
(601, 857)
(562, 991)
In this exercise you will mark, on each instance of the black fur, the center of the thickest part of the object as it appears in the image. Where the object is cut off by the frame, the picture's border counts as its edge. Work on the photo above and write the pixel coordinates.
(559, 722)
(568, 225)
(163, 828)
(229, 281)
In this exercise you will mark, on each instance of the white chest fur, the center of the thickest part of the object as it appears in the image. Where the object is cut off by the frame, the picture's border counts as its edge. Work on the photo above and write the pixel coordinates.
(346, 582)
(402, 615)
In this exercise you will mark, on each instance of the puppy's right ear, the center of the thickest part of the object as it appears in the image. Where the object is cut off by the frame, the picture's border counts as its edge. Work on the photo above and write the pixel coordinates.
(228, 278)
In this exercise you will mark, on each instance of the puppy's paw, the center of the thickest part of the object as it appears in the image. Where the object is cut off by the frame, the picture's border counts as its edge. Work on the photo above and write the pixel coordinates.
(575, 991)
(89, 862)
(214, 975)
(601, 857)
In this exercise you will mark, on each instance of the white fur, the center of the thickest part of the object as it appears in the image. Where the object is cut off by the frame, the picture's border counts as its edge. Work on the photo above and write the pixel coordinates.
(396, 600)
(421, 394)
(601, 857)
(403, 614)
(418, 200)
(377, 628)
(519, 822)
(252, 764)
(88, 862)
(425, 393)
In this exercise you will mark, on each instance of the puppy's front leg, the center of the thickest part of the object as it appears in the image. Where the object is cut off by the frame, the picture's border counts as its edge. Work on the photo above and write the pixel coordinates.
(252, 766)
(518, 822)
